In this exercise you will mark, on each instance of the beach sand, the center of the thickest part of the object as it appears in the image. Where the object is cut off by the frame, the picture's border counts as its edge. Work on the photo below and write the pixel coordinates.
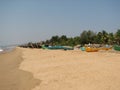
(73, 69)
(61, 70)
(11, 77)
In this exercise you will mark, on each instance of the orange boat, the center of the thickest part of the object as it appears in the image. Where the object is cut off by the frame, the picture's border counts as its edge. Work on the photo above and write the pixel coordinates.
(91, 49)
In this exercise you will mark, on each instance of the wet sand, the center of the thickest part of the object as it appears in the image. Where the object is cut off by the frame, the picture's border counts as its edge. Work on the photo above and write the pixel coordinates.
(11, 77)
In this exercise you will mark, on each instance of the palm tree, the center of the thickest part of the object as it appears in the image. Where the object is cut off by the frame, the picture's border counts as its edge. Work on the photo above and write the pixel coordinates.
(111, 38)
(117, 37)
(104, 37)
(87, 37)
(98, 38)
(54, 40)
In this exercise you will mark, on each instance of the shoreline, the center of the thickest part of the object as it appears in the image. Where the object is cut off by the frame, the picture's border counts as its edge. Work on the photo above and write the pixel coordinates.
(11, 77)
(6, 49)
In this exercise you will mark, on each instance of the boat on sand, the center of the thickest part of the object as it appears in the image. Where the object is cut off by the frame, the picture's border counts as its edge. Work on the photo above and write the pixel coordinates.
(117, 47)
(91, 49)
(57, 47)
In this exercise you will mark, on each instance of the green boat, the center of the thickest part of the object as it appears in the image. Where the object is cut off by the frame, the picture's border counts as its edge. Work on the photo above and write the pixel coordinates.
(57, 47)
(116, 47)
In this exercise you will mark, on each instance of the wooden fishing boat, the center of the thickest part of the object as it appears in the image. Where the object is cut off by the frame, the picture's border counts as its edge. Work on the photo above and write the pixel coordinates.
(116, 47)
(91, 49)
(57, 47)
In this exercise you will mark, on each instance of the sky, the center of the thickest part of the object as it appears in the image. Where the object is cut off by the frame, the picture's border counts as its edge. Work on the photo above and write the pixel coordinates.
(24, 21)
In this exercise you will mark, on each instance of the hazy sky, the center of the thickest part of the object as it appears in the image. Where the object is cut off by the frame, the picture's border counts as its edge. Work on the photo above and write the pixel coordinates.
(35, 20)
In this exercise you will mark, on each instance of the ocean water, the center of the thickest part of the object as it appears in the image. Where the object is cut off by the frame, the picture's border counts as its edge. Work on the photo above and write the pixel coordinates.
(7, 48)
(1, 50)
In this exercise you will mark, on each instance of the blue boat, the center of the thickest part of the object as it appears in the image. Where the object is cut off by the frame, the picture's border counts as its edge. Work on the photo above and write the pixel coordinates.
(83, 48)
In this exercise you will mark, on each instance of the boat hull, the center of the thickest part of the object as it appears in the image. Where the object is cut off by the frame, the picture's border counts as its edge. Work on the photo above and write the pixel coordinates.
(57, 47)
(116, 47)
(89, 49)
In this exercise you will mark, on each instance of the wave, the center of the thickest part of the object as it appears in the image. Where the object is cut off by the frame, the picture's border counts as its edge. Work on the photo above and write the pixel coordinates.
(1, 50)
(6, 48)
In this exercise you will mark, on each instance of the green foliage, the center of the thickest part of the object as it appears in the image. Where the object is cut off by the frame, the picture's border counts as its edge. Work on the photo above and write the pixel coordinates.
(76, 40)
(86, 37)
(63, 40)
(111, 38)
(54, 40)
(98, 38)
(104, 37)
(117, 37)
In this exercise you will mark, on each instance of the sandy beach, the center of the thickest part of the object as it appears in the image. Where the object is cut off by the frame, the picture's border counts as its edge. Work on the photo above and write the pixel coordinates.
(13, 78)
(59, 70)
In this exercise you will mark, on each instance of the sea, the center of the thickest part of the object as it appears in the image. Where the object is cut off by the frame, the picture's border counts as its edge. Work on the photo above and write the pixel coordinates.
(7, 48)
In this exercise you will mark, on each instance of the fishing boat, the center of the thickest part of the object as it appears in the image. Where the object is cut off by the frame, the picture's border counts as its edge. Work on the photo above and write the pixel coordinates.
(116, 47)
(83, 48)
(91, 49)
(57, 47)
(105, 48)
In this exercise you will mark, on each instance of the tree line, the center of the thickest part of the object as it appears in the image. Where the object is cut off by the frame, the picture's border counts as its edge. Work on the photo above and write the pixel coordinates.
(87, 36)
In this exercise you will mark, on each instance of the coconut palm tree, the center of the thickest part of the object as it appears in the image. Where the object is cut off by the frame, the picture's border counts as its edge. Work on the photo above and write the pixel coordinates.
(117, 37)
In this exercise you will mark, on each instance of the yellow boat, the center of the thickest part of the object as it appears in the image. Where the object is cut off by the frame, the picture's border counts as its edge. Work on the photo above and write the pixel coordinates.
(91, 49)
(105, 48)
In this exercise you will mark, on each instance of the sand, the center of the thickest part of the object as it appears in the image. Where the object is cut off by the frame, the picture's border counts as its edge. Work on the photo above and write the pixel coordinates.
(73, 70)
(61, 70)
(11, 77)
